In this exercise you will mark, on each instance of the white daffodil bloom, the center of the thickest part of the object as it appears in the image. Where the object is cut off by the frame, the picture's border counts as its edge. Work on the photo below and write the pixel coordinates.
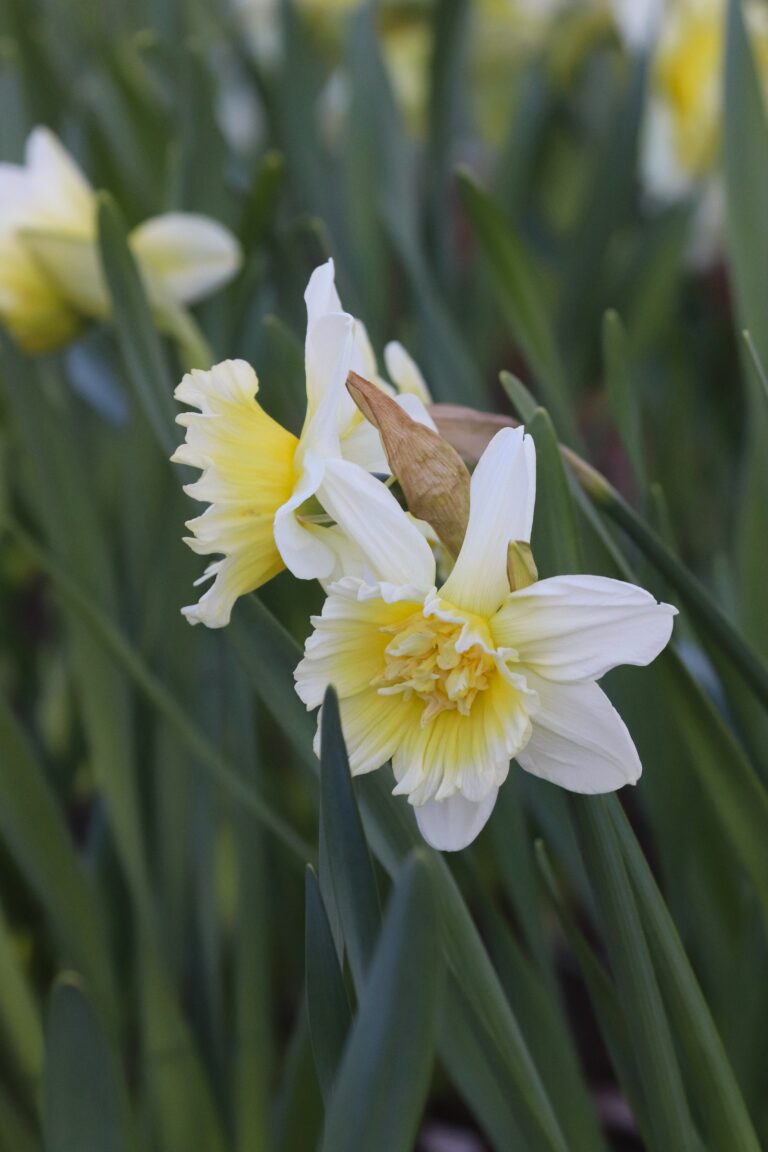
(452, 683)
(269, 491)
(681, 135)
(50, 274)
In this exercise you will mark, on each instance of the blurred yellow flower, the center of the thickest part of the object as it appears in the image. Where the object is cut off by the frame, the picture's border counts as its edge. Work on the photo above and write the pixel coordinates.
(452, 683)
(277, 500)
(50, 275)
(682, 136)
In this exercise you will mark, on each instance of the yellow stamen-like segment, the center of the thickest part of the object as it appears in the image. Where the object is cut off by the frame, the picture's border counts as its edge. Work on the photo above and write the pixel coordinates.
(423, 660)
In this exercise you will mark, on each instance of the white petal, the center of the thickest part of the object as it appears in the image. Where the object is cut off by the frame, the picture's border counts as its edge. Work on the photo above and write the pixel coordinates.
(72, 263)
(572, 628)
(321, 296)
(405, 373)
(328, 354)
(363, 359)
(502, 496)
(187, 255)
(579, 741)
(61, 191)
(301, 545)
(414, 407)
(450, 825)
(393, 547)
(362, 446)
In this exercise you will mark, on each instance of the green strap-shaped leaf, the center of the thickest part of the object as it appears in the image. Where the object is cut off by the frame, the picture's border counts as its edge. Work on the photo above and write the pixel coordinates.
(555, 538)
(85, 1106)
(136, 335)
(352, 878)
(602, 993)
(327, 1003)
(33, 830)
(520, 295)
(622, 394)
(382, 1083)
(622, 933)
(711, 1079)
(745, 155)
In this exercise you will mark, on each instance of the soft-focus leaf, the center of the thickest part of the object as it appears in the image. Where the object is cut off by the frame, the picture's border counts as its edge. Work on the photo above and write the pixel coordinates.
(327, 1003)
(352, 878)
(382, 1082)
(85, 1104)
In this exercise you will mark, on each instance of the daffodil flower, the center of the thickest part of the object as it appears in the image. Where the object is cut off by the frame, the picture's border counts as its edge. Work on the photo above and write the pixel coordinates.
(277, 500)
(680, 141)
(452, 683)
(51, 280)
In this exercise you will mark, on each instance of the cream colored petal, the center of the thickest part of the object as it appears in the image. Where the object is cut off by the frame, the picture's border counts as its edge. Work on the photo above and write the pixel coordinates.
(572, 628)
(301, 543)
(246, 461)
(467, 754)
(502, 496)
(405, 373)
(35, 313)
(346, 647)
(452, 824)
(321, 296)
(72, 264)
(63, 198)
(394, 548)
(243, 570)
(579, 741)
(187, 255)
(328, 355)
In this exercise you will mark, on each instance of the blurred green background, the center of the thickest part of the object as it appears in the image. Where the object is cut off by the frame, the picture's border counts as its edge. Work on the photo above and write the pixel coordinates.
(475, 170)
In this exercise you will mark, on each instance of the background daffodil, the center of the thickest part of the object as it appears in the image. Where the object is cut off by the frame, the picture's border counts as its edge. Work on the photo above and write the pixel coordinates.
(259, 479)
(452, 683)
(51, 280)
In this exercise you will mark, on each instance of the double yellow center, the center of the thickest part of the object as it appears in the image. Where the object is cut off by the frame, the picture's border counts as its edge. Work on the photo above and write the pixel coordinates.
(422, 660)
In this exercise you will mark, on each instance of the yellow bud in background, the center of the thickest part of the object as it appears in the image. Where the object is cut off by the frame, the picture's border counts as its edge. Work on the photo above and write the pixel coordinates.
(521, 566)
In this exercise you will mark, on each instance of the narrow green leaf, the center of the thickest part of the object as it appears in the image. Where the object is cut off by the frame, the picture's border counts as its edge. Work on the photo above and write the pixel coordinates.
(34, 831)
(352, 878)
(138, 340)
(622, 395)
(85, 1105)
(384, 1076)
(623, 937)
(520, 295)
(20, 1026)
(555, 538)
(269, 655)
(711, 1080)
(522, 400)
(745, 155)
(327, 1002)
(610, 1017)
(127, 658)
(541, 1017)
(702, 606)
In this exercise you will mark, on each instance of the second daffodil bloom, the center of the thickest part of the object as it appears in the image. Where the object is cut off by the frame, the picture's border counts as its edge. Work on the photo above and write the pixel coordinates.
(51, 280)
(452, 683)
(272, 494)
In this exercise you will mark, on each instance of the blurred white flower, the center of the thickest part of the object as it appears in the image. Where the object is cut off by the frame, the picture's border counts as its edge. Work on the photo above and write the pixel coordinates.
(681, 135)
(272, 495)
(50, 274)
(452, 683)
(638, 21)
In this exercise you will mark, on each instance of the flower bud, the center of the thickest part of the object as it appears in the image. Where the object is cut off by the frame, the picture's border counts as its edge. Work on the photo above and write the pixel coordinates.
(431, 473)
